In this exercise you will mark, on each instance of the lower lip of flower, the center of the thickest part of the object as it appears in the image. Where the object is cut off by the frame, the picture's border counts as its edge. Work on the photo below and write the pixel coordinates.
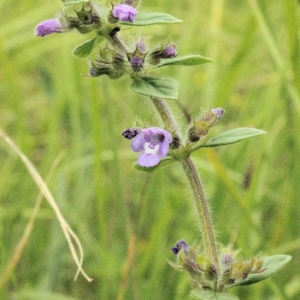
(151, 148)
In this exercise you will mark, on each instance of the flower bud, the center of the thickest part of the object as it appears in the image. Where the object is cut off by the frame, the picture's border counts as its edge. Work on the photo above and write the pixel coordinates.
(227, 259)
(169, 52)
(137, 63)
(100, 69)
(175, 142)
(85, 20)
(49, 26)
(165, 51)
(201, 125)
(124, 12)
(87, 17)
(137, 57)
(130, 133)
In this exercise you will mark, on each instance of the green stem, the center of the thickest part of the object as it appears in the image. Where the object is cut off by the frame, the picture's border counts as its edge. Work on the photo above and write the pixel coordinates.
(165, 114)
(202, 210)
(195, 183)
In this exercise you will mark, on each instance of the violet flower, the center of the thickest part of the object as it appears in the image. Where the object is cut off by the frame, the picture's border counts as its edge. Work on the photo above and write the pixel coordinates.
(124, 12)
(218, 112)
(48, 26)
(182, 244)
(154, 144)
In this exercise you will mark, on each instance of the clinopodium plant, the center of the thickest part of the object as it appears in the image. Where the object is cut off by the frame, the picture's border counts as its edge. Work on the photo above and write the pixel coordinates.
(213, 270)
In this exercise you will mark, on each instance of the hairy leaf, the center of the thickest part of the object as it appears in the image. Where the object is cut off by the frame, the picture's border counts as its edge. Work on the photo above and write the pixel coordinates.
(151, 18)
(231, 136)
(271, 264)
(86, 48)
(187, 60)
(70, 2)
(161, 87)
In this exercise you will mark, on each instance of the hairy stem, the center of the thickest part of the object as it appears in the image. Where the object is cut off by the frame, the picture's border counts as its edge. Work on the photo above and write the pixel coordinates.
(165, 114)
(195, 183)
(202, 210)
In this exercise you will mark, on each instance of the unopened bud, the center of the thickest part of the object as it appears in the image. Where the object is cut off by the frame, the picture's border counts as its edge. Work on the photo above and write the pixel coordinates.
(137, 63)
(130, 133)
(201, 126)
(156, 55)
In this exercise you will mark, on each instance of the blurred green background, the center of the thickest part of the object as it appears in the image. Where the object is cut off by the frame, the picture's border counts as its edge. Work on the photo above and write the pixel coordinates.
(127, 220)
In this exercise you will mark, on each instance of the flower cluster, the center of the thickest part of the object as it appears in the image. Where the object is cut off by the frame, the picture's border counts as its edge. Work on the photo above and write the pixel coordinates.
(205, 275)
(85, 20)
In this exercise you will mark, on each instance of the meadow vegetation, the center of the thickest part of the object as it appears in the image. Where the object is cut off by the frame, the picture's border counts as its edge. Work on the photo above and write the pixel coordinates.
(69, 126)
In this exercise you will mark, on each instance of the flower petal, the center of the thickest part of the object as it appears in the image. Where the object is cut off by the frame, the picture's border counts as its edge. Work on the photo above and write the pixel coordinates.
(137, 143)
(164, 146)
(148, 160)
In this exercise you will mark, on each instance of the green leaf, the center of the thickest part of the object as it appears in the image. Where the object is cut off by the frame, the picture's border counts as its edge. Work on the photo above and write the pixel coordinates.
(70, 2)
(231, 136)
(210, 295)
(86, 48)
(164, 162)
(187, 60)
(160, 87)
(151, 18)
(271, 264)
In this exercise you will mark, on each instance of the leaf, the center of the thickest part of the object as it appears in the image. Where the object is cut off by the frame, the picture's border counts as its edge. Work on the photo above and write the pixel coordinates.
(151, 18)
(271, 264)
(187, 60)
(86, 48)
(160, 87)
(70, 2)
(210, 295)
(163, 162)
(231, 136)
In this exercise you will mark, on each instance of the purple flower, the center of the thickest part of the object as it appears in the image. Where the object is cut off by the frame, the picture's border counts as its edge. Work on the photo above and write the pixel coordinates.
(182, 244)
(48, 26)
(124, 12)
(154, 144)
(218, 112)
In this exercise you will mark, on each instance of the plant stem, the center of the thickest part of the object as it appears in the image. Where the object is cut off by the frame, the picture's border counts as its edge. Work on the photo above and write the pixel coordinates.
(165, 114)
(195, 183)
(202, 210)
